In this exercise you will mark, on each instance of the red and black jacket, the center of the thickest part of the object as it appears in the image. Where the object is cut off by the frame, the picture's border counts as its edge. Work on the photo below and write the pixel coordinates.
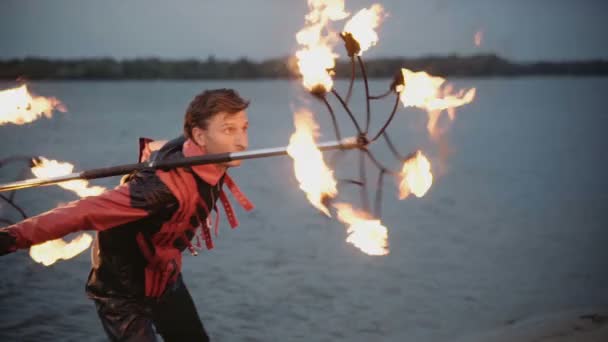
(143, 224)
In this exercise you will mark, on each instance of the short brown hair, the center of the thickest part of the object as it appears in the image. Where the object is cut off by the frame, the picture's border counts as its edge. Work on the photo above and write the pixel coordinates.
(209, 103)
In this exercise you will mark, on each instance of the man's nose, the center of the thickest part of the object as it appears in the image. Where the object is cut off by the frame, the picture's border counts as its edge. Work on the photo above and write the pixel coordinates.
(242, 141)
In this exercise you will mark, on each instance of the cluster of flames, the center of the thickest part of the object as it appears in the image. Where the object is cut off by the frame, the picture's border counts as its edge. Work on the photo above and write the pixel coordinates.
(49, 252)
(315, 60)
(18, 106)
(317, 181)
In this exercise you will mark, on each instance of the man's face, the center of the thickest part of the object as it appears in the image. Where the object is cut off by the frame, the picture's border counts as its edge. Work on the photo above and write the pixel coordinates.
(224, 133)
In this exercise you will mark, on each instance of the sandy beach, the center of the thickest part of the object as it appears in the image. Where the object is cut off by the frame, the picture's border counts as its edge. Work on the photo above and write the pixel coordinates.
(570, 326)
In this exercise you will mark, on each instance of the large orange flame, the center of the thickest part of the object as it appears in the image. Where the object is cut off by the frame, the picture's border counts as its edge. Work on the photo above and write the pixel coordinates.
(429, 93)
(416, 176)
(19, 107)
(316, 56)
(364, 232)
(362, 26)
(49, 252)
(315, 178)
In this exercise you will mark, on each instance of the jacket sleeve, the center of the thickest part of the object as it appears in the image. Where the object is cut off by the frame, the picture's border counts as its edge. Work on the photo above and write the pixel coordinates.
(128, 202)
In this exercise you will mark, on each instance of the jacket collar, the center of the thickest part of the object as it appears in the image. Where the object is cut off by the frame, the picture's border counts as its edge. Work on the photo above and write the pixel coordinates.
(210, 173)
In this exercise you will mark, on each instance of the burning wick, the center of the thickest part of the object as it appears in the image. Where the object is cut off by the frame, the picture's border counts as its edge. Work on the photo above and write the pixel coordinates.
(478, 38)
(364, 232)
(18, 106)
(315, 178)
(416, 176)
(431, 93)
(49, 252)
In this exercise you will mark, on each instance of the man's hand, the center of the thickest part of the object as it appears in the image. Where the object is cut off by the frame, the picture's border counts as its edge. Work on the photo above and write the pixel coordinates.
(7, 242)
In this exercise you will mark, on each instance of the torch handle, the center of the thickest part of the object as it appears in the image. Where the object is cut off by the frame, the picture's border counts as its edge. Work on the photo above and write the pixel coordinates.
(348, 143)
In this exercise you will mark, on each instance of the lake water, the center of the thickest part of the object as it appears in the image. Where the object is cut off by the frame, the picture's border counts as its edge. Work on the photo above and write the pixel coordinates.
(514, 226)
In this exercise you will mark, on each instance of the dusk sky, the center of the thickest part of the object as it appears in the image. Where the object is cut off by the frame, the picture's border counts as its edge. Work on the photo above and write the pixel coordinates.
(516, 29)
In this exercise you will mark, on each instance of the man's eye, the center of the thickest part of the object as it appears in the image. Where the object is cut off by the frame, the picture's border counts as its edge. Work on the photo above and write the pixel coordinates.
(229, 130)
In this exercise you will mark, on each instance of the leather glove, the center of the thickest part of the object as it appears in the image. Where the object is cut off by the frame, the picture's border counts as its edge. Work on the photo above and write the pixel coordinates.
(8, 242)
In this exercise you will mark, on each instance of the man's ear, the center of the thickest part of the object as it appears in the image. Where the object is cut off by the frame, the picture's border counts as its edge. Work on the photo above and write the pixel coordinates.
(198, 135)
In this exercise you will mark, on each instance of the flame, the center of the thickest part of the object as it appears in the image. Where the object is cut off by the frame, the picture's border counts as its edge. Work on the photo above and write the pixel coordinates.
(416, 176)
(46, 168)
(313, 63)
(316, 56)
(478, 38)
(315, 178)
(323, 10)
(364, 232)
(49, 252)
(362, 26)
(426, 92)
(19, 107)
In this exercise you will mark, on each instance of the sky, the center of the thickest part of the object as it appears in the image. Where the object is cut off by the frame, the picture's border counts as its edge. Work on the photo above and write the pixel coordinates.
(521, 30)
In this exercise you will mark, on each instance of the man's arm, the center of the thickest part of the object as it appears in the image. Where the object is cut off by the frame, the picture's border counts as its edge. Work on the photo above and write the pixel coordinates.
(125, 203)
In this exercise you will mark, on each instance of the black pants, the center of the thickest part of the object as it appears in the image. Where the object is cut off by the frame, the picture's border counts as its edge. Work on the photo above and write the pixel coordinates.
(173, 315)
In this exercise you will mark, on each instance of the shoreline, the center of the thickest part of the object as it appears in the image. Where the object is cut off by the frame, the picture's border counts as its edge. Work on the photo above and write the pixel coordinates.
(580, 325)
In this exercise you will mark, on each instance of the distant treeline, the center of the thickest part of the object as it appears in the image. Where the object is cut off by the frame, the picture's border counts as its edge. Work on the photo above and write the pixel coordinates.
(212, 68)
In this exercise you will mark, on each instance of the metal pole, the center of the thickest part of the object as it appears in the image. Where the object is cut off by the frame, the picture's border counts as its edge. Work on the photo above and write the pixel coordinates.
(348, 143)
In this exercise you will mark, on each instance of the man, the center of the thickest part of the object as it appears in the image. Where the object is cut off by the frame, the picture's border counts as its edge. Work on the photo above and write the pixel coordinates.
(145, 223)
